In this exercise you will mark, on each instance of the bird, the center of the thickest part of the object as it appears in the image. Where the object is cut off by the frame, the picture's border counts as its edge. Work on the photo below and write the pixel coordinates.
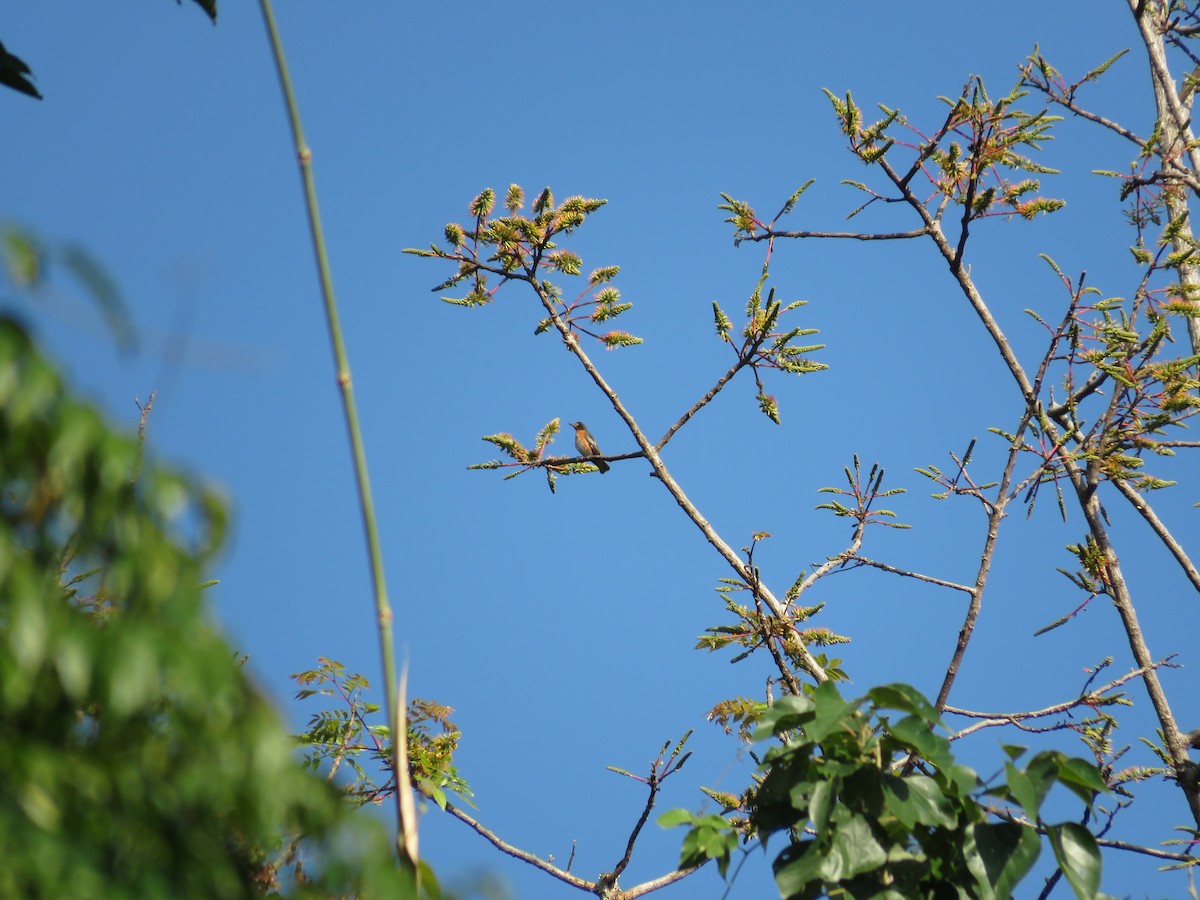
(587, 446)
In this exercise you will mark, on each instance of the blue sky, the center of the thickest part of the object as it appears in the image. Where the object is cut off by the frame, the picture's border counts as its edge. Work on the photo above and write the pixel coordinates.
(560, 627)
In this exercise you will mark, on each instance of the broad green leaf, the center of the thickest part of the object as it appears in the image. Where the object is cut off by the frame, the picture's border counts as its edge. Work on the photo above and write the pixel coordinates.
(917, 799)
(854, 850)
(674, 817)
(999, 855)
(905, 698)
(798, 870)
(1076, 851)
(1021, 789)
(1081, 777)
(916, 734)
(830, 713)
(821, 803)
(1030, 787)
(785, 714)
(963, 779)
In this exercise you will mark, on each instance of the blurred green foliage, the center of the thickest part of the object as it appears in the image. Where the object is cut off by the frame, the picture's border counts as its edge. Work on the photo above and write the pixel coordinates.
(138, 759)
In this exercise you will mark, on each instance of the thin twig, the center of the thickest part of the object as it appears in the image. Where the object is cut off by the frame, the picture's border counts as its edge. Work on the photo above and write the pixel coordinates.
(549, 868)
(862, 560)
(653, 783)
(743, 360)
(517, 853)
(1092, 697)
(141, 436)
(1067, 102)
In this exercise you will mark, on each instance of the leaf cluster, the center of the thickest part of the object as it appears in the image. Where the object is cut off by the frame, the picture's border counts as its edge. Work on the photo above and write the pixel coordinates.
(523, 247)
(345, 735)
(871, 804)
(765, 345)
(756, 629)
(969, 161)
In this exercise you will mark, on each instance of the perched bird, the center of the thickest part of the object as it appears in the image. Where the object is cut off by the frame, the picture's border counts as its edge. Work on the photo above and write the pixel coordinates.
(587, 446)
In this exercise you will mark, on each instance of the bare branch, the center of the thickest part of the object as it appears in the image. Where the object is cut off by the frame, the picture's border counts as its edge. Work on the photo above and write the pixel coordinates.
(768, 234)
(862, 560)
(141, 435)
(1067, 101)
(658, 883)
(1085, 487)
(605, 886)
(743, 360)
(517, 853)
(1016, 718)
(653, 783)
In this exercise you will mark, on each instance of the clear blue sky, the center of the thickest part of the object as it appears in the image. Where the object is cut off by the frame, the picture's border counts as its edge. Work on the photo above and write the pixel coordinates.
(561, 627)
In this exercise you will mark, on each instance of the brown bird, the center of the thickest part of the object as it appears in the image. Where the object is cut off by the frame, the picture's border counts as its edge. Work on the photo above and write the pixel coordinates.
(587, 446)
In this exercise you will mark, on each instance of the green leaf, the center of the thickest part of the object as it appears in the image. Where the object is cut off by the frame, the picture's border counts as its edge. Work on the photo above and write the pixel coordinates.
(769, 406)
(999, 855)
(821, 803)
(1021, 789)
(1078, 856)
(905, 698)
(1081, 777)
(915, 733)
(1030, 787)
(830, 712)
(675, 817)
(854, 850)
(785, 714)
(159, 738)
(918, 799)
(544, 201)
(22, 255)
(796, 868)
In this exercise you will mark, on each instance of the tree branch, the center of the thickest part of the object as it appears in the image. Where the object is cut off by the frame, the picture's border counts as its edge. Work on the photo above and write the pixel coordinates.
(807, 661)
(862, 560)
(1138, 502)
(743, 360)
(517, 853)
(1103, 842)
(1015, 718)
(768, 234)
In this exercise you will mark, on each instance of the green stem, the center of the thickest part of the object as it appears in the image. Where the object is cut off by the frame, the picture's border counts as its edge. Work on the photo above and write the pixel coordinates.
(383, 609)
